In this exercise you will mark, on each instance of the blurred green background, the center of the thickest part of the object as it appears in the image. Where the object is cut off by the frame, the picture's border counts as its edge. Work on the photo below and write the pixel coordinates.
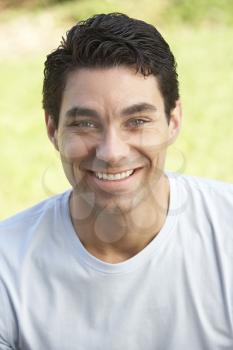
(200, 34)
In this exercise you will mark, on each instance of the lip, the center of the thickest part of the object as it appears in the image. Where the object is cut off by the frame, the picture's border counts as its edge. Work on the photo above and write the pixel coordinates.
(113, 171)
(122, 185)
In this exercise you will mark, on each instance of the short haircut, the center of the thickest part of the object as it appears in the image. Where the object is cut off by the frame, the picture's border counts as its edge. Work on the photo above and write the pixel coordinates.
(109, 40)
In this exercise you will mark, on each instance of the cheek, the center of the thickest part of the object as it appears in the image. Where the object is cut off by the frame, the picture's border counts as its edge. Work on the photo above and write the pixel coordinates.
(73, 148)
(153, 141)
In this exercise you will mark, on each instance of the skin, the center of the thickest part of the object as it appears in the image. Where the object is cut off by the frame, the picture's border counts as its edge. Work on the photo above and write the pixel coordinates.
(113, 120)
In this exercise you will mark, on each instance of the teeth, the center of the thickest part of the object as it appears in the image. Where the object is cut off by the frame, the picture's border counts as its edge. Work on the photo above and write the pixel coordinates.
(117, 176)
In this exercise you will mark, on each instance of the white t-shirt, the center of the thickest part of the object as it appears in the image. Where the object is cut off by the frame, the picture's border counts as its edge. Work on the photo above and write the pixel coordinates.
(176, 294)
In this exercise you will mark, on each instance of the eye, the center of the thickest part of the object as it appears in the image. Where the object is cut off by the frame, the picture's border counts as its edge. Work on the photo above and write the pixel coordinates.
(137, 122)
(82, 124)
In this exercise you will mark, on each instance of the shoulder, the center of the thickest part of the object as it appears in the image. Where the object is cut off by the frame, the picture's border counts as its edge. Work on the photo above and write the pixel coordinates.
(18, 231)
(205, 204)
(204, 188)
(32, 214)
(207, 184)
(203, 200)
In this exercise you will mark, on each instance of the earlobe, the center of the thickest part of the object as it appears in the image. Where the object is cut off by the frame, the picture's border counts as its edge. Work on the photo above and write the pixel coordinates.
(175, 122)
(51, 130)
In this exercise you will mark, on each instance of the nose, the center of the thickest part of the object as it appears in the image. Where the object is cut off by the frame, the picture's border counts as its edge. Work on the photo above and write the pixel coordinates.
(112, 147)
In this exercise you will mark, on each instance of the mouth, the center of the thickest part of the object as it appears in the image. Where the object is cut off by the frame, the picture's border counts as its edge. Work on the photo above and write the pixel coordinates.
(114, 176)
(118, 181)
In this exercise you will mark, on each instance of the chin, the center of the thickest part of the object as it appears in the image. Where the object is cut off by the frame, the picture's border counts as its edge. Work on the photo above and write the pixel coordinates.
(120, 205)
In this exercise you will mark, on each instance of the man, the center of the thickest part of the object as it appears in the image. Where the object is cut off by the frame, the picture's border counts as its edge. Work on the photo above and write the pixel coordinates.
(131, 258)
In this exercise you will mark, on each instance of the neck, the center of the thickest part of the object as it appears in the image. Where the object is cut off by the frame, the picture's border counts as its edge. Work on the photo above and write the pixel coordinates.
(115, 237)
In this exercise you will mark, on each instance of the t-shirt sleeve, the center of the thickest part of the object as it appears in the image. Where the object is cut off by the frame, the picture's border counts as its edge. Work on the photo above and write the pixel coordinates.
(6, 334)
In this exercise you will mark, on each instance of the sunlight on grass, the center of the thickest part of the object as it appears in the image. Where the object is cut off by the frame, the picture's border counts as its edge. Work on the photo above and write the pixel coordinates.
(205, 67)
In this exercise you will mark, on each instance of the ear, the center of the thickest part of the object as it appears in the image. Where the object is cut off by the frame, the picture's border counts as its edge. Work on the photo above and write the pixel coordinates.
(52, 130)
(175, 122)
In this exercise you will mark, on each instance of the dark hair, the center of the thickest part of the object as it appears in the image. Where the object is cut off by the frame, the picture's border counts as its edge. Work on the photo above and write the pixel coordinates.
(108, 40)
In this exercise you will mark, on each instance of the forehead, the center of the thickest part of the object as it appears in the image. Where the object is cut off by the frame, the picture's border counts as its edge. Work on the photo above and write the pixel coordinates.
(116, 87)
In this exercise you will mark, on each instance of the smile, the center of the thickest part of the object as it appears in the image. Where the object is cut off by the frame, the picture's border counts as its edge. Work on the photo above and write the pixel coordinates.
(115, 183)
(114, 177)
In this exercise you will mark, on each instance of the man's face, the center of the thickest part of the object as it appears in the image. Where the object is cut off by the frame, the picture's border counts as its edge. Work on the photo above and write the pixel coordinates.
(112, 135)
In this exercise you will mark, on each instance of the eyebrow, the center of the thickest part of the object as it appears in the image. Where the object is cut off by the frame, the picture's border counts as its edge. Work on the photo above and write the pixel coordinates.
(81, 111)
(138, 108)
(78, 111)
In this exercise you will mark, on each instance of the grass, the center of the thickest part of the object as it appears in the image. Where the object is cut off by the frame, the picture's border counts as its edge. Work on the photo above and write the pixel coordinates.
(205, 62)
(30, 168)
(160, 11)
